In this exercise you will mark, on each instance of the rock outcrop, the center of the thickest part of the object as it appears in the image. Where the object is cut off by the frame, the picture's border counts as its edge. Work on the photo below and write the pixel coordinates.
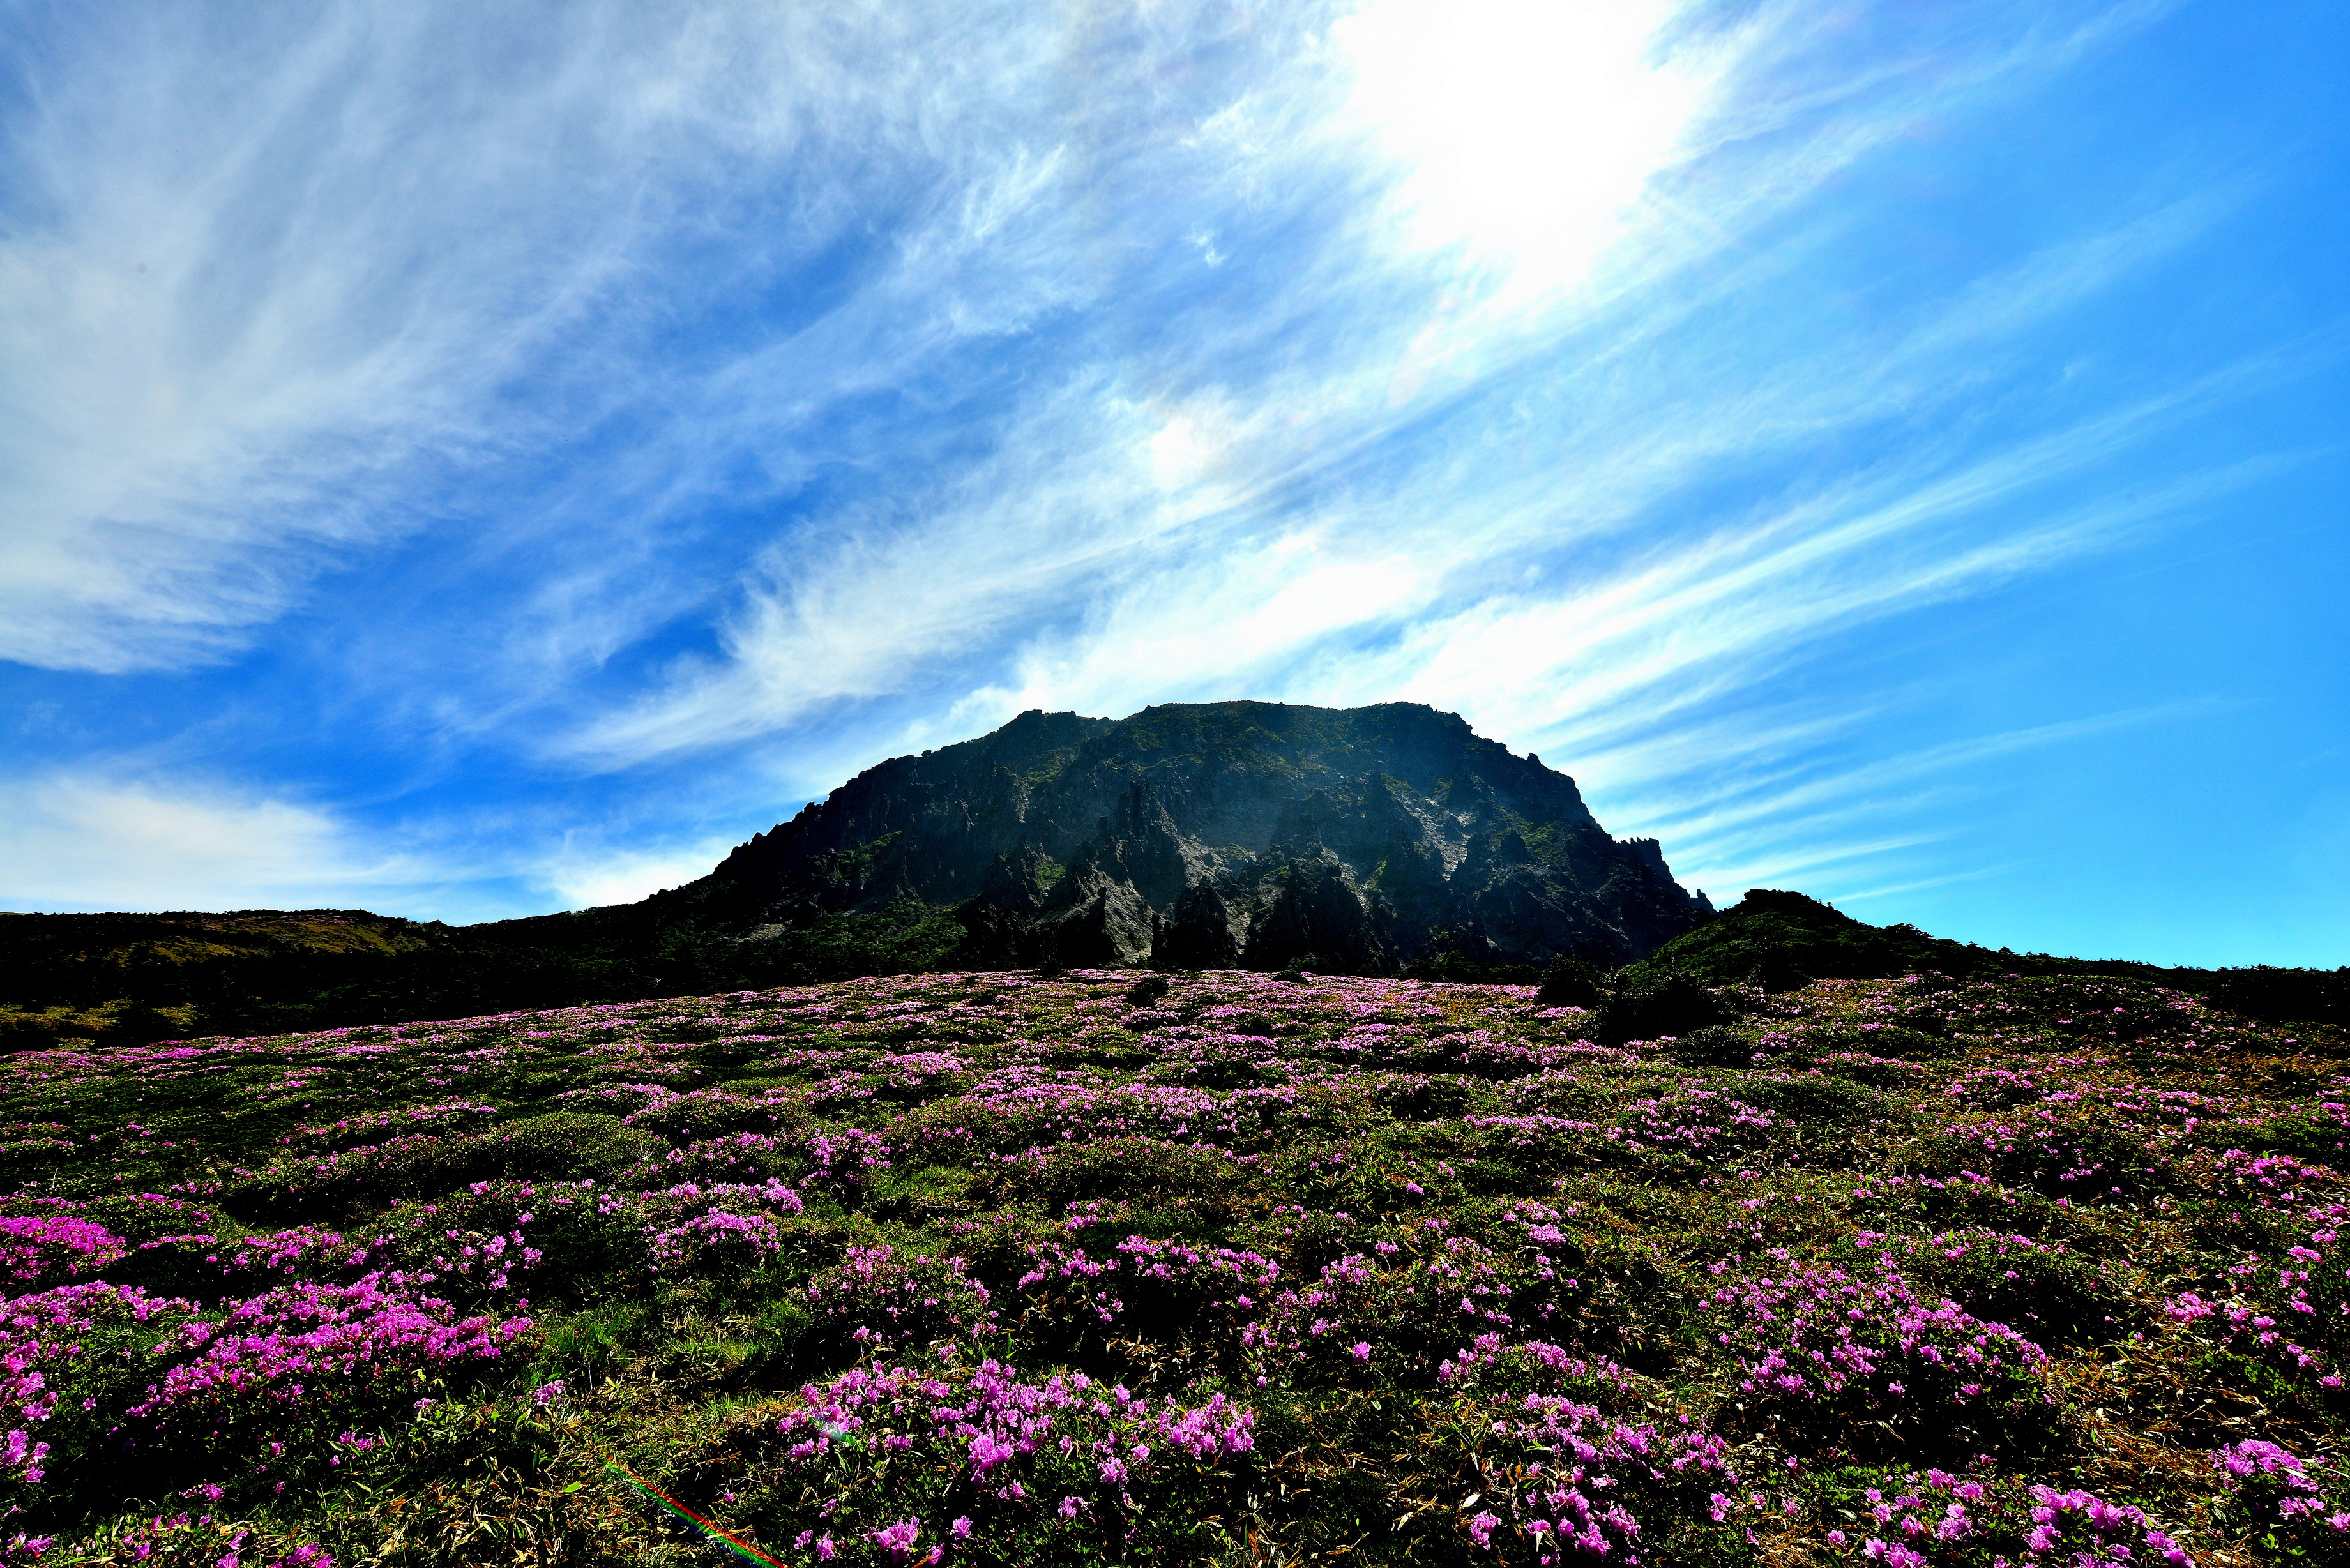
(1202, 836)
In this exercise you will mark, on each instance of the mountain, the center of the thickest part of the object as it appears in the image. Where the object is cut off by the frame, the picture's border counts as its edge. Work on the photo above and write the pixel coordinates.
(150, 975)
(1199, 835)
(1210, 835)
(1782, 940)
(1195, 836)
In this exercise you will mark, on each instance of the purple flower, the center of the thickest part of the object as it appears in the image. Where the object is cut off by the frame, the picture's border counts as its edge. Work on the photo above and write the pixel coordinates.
(1481, 1528)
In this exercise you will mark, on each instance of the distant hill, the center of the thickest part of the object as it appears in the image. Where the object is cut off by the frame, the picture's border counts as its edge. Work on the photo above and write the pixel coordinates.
(1215, 834)
(1212, 835)
(1779, 939)
(1199, 835)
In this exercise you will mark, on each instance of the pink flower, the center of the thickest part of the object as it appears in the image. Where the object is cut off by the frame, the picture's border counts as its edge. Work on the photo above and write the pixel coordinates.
(1481, 1528)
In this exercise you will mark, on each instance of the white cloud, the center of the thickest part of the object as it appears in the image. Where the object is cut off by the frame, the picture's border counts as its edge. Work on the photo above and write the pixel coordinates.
(92, 838)
(270, 279)
(588, 875)
(89, 841)
(1168, 353)
(1110, 546)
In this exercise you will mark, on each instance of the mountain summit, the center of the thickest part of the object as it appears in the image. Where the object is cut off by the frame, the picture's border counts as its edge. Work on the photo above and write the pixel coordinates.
(1213, 834)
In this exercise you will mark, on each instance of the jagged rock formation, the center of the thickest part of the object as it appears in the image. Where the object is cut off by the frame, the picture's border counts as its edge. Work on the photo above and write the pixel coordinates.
(1206, 835)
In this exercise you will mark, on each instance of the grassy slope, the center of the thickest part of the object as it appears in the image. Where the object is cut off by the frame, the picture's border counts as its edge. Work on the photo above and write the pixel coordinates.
(1425, 1238)
(136, 977)
(1788, 927)
(118, 978)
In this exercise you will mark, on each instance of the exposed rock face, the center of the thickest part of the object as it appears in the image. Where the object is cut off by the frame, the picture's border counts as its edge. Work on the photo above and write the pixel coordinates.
(1199, 934)
(1204, 835)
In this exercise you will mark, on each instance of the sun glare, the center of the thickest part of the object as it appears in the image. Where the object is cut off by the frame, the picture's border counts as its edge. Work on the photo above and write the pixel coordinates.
(1530, 126)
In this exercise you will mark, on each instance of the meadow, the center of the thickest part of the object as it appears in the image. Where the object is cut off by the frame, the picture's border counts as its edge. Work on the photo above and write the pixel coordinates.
(1108, 1267)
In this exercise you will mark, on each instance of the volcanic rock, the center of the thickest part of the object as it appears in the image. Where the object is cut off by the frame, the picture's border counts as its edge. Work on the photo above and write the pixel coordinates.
(1198, 835)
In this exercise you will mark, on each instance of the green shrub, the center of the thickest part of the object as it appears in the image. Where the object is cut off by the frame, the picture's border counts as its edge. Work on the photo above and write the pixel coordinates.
(1817, 1101)
(1658, 1007)
(1713, 1047)
(1569, 982)
(1869, 1040)
(564, 1145)
(1863, 1068)
(711, 1113)
(1142, 1169)
(2050, 1296)
(2318, 1134)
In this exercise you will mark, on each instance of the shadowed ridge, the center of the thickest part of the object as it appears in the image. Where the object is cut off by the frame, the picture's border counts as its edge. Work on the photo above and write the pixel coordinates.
(1384, 832)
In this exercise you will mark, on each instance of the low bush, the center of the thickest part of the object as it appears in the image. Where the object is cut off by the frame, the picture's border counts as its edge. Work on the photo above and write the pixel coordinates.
(1713, 1047)
(892, 1267)
(1659, 1007)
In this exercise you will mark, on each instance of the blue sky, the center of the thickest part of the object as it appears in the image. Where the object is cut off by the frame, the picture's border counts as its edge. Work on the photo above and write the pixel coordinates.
(466, 465)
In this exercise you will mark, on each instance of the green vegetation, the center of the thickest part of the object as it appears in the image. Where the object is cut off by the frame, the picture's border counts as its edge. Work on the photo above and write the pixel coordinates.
(1207, 1268)
(138, 978)
(1776, 935)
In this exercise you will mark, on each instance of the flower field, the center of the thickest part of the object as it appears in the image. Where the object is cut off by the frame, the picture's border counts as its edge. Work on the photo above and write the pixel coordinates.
(1223, 1268)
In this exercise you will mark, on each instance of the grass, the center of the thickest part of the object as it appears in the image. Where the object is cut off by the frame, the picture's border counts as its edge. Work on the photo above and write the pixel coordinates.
(1236, 1271)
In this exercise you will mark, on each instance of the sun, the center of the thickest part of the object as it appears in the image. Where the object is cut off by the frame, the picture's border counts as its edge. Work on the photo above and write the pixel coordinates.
(1528, 128)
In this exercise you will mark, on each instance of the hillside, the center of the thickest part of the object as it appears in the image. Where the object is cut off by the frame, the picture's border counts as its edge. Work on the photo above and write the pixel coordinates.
(1360, 840)
(1210, 833)
(1380, 840)
(1781, 939)
(973, 1268)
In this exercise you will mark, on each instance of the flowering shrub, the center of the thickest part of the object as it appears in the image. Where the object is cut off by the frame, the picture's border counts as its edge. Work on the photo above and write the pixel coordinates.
(2041, 1289)
(35, 1247)
(1938, 1518)
(2079, 1529)
(60, 1351)
(1418, 1308)
(981, 1464)
(1702, 1124)
(2282, 1501)
(445, 1116)
(1818, 1345)
(879, 1300)
(1561, 1480)
(2086, 1159)
(1934, 1518)
(991, 1268)
(302, 1350)
(708, 1114)
(2288, 1308)
(712, 1233)
(1198, 1302)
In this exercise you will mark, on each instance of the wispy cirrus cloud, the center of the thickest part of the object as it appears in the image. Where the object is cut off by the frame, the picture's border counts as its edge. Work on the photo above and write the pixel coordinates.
(90, 841)
(1383, 485)
(668, 408)
(275, 279)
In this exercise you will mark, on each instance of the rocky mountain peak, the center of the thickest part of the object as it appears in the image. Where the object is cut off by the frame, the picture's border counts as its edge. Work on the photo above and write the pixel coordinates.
(1202, 835)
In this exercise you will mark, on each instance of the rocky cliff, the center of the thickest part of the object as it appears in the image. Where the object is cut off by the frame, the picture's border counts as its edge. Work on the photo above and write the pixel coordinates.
(1215, 834)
